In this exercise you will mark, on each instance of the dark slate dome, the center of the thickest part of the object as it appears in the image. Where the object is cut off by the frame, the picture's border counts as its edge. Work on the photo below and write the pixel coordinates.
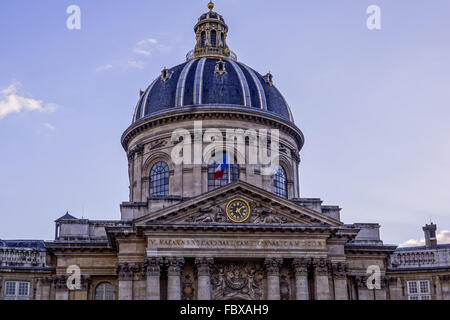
(199, 82)
(211, 77)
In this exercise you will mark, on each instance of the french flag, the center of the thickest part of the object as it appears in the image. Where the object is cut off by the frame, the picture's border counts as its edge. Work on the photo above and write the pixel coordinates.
(220, 171)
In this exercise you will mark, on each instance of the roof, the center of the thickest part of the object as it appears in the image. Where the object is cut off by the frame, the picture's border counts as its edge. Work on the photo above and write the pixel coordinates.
(23, 244)
(198, 83)
(440, 246)
(67, 216)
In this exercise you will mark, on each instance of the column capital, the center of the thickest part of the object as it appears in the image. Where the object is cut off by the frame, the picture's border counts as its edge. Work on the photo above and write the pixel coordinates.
(60, 282)
(300, 266)
(320, 266)
(42, 281)
(340, 270)
(204, 266)
(124, 271)
(174, 265)
(153, 265)
(273, 266)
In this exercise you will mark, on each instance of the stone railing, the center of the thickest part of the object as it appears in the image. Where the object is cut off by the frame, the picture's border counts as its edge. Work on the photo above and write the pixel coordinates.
(22, 257)
(421, 258)
(210, 52)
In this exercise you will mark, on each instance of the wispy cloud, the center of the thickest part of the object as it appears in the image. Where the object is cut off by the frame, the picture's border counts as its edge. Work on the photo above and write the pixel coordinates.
(147, 47)
(104, 68)
(11, 102)
(49, 126)
(139, 55)
(443, 237)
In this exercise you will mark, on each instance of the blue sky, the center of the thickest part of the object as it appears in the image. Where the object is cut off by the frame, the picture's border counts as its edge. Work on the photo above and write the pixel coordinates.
(373, 105)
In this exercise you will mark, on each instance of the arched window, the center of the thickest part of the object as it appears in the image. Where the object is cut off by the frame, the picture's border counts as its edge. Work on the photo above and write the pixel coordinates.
(104, 291)
(159, 179)
(280, 183)
(203, 39)
(213, 38)
(217, 179)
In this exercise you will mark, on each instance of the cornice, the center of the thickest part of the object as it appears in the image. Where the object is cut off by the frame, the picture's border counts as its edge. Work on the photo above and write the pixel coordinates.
(213, 112)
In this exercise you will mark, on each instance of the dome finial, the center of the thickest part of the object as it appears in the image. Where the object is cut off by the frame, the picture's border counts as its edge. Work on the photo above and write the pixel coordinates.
(210, 6)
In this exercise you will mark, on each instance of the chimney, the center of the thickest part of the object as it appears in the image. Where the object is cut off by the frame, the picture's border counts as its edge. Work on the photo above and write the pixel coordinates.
(430, 236)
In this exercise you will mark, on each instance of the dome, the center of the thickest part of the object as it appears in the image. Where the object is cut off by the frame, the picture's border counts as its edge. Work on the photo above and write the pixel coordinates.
(208, 82)
(210, 77)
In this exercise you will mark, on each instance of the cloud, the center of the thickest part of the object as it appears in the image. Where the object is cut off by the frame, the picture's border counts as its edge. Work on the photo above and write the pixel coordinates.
(146, 47)
(11, 102)
(49, 126)
(104, 68)
(443, 237)
(139, 55)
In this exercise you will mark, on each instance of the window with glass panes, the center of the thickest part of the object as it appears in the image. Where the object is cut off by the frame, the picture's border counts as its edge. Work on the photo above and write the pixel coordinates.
(17, 290)
(419, 290)
(230, 175)
(159, 179)
(104, 291)
(280, 183)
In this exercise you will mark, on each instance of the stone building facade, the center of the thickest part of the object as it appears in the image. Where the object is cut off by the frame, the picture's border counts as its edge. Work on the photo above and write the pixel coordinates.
(187, 234)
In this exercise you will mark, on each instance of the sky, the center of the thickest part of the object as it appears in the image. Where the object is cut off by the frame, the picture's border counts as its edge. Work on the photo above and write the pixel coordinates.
(373, 104)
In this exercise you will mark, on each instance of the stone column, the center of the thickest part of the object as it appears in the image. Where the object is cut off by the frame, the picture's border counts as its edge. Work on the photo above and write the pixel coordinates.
(363, 292)
(60, 284)
(138, 193)
(204, 266)
(43, 289)
(322, 286)
(300, 267)
(125, 276)
(153, 266)
(82, 293)
(174, 266)
(340, 281)
(437, 285)
(381, 293)
(273, 278)
(445, 286)
(395, 288)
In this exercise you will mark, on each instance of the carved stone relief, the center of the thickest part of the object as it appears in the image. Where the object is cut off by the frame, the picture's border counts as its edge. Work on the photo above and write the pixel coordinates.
(234, 281)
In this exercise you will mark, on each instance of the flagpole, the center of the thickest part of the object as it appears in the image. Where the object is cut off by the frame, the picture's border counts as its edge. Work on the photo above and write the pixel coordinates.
(229, 168)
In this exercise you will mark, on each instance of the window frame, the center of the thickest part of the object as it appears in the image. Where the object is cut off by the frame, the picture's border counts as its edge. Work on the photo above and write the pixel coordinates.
(17, 289)
(159, 181)
(105, 292)
(418, 291)
(219, 183)
(278, 179)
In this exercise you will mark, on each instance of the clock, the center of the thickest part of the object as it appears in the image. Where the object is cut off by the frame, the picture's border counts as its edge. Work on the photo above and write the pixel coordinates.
(238, 210)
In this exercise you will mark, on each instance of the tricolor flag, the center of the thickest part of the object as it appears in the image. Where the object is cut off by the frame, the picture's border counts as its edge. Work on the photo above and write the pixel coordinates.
(220, 171)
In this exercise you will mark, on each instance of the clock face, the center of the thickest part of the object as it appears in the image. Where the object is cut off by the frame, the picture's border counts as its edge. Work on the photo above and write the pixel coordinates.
(238, 210)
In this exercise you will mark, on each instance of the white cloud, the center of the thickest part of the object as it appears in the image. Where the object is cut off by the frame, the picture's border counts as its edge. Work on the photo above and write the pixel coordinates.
(12, 102)
(49, 126)
(443, 237)
(145, 47)
(104, 67)
(139, 56)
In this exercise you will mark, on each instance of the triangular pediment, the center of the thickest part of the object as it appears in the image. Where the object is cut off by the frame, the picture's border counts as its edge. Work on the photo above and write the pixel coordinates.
(265, 209)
